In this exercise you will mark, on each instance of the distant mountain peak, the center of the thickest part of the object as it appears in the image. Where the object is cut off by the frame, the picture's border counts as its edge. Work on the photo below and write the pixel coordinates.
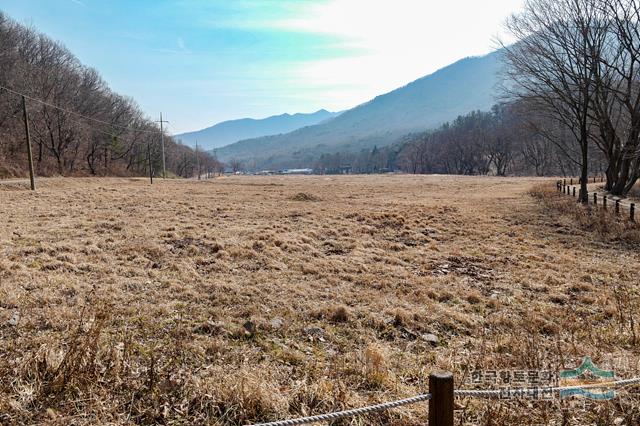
(228, 132)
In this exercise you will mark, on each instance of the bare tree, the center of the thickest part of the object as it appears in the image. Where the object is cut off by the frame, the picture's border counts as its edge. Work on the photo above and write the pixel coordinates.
(236, 165)
(537, 152)
(616, 107)
(553, 64)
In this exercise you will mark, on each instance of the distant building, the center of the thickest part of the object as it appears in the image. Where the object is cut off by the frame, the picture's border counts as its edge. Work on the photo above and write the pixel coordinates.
(296, 172)
(340, 170)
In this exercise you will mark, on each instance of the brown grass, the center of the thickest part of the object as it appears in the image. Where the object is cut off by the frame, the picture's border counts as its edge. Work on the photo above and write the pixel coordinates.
(228, 302)
(600, 222)
(303, 196)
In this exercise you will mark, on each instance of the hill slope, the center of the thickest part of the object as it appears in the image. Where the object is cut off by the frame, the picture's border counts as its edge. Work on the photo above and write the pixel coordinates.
(464, 86)
(228, 132)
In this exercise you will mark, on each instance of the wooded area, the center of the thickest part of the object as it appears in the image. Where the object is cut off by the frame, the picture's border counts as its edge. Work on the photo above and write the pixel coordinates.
(509, 140)
(78, 125)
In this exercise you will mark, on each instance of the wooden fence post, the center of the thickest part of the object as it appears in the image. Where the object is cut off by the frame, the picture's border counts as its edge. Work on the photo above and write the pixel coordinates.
(574, 192)
(595, 199)
(29, 152)
(604, 202)
(617, 207)
(441, 403)
(632, 212)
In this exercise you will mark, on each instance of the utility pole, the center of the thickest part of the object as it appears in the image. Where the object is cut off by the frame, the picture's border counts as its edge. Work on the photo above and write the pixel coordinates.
(197, 160)
(29, 153)
(150, 164)
(164, 166)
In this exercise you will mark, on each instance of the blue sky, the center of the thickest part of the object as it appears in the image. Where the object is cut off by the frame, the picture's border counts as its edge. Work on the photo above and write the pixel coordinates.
(204, 61)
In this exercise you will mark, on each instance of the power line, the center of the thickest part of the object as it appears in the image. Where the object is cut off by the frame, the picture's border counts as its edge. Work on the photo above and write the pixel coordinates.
(128, 128)
(99, 130)
(164, 167)
(107, 133)
(96, 129)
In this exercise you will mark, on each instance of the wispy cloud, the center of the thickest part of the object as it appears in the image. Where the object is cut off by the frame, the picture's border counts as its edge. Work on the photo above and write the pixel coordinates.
(180, 43)
(79, 3)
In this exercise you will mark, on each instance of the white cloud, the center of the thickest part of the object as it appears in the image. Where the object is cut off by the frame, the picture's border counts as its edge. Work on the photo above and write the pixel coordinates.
(403, 39)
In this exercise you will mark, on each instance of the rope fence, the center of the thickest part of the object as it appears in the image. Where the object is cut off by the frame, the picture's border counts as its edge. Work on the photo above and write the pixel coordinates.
(350, 413)
(441, 403)
(597, 199)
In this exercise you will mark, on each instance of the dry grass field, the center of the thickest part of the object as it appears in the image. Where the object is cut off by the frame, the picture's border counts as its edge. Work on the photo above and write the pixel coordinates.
(249, 299)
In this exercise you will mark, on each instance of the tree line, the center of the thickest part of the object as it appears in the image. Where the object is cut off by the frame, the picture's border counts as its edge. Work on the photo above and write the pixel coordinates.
(78, 125)
(510, 139)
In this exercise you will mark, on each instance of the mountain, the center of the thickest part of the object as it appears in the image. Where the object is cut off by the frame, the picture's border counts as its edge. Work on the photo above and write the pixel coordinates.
(467, 85)
(228, 132)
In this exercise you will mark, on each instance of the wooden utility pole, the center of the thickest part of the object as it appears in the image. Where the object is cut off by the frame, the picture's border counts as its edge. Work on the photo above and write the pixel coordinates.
(164, 165)
(197, 160)
(29, 152)
(149, 159)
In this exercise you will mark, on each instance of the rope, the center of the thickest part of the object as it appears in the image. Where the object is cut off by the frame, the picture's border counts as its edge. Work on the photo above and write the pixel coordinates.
(497, 393)
(616, 384)
(482, 394)
(477, 393)
(349, 413)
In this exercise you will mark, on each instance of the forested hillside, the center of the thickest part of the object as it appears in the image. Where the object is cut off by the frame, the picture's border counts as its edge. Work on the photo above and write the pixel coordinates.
(78, 125)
